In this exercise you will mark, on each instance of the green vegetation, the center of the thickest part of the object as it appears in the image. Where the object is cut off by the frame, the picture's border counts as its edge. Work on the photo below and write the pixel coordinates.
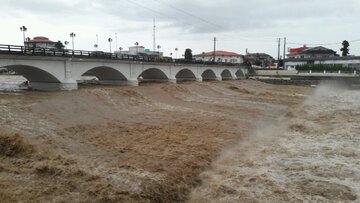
(322, 67)
(188, 55)
(345, 48)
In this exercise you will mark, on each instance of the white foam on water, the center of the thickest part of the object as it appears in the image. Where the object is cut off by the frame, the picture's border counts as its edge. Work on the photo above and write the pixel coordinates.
(312, 156)
(12, 82)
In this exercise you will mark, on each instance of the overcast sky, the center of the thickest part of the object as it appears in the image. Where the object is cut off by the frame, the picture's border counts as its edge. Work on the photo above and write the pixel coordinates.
(237, 24)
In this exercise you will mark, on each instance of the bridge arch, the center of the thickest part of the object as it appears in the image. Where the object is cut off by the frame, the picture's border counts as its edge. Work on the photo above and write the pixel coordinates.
(105, 73)
(153, 74)
(37, 77)
(226, 74)
(185, 74)
(33, 74)
(208, 74)
(240, 74)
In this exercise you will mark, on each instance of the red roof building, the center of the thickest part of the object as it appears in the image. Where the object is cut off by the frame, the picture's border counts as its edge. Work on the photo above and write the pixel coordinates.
(40, 42)
(294, 51)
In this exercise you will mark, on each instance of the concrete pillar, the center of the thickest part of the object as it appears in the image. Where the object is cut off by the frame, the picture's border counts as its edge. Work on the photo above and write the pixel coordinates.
(339, 72)
(324, 71)
(199, 79)
(69, 85)
(172, 80)
(132, 82)
(354, 72)
(218, 78)
(310, 71)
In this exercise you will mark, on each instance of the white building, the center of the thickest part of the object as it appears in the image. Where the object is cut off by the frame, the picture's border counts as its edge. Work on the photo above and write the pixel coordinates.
(139, 50)
(220, 56)
(346, 61)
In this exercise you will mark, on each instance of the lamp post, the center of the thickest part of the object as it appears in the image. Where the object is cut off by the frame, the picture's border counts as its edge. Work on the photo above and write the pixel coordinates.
(176, 50)
(137, 47)
(110, 40)
(158, 47)
(116, 44)
(95, 46)
(72, 35)
(66, 43)
(23, 30)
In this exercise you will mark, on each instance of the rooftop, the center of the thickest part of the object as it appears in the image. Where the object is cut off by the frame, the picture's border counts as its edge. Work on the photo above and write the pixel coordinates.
(218, 53)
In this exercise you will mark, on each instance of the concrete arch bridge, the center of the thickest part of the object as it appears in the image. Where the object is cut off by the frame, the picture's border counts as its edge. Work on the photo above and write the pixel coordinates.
(50, 73)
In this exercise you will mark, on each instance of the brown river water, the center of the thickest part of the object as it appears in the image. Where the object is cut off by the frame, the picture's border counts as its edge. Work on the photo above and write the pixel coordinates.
(230, 141)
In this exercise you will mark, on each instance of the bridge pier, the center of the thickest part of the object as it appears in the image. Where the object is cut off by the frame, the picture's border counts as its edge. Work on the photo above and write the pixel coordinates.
(199, 79)
(68, 86)
(172, 80)
(218, 78)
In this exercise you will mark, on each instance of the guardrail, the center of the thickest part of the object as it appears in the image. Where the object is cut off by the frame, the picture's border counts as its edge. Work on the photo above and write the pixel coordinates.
(21, 50)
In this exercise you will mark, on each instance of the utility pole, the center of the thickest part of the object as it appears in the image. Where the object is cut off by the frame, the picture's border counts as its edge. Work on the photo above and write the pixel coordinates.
(284, 53)
(116, 44)
(278, 53)
(214, 49)
(154, 42)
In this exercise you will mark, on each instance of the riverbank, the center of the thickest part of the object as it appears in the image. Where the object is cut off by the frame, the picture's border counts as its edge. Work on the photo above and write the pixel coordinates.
(128, 144)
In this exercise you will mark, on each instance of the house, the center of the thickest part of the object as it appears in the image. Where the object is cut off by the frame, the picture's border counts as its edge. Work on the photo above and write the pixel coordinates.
(220, 56)
(312, 55)
(39, 42)
(260, 59)
(311, 52)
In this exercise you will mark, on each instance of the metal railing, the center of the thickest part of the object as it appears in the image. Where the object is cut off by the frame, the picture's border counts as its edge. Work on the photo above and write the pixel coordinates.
(21, 50)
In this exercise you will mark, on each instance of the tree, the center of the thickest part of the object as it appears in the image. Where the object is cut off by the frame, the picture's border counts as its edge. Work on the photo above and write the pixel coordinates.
(345, 48)
(59, 45)
(188, 55)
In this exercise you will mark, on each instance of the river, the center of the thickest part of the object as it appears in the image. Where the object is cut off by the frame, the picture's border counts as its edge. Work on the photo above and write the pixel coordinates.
(309, 155)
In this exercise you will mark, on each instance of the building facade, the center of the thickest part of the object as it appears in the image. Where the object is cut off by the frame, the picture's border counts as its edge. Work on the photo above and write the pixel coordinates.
(311, 52)
(39, 42)
(220, 57)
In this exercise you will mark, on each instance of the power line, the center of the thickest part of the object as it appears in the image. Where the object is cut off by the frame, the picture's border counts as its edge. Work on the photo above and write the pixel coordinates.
(323, 44)
(190, 14)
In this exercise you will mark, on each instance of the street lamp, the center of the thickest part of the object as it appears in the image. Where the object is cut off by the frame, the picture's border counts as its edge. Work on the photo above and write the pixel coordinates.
(116, 44)
(72, 35)
(158, 47)
(66, 43)
(110, 40)
(176, 50)
(23, 30)
(137, 44)
(95, 46)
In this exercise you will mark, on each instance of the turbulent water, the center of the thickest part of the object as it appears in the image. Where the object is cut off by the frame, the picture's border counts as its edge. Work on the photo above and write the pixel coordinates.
(229, 141)
(310, 155)
(11, 82)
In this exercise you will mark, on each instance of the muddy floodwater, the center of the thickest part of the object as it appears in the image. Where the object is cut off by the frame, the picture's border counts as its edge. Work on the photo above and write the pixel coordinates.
(229, 141)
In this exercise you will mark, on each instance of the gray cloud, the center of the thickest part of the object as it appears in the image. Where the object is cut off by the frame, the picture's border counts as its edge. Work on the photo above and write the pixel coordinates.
(200, 19)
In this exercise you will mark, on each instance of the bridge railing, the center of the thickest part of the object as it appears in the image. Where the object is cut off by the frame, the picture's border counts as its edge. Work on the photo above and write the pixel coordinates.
(21, 50)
